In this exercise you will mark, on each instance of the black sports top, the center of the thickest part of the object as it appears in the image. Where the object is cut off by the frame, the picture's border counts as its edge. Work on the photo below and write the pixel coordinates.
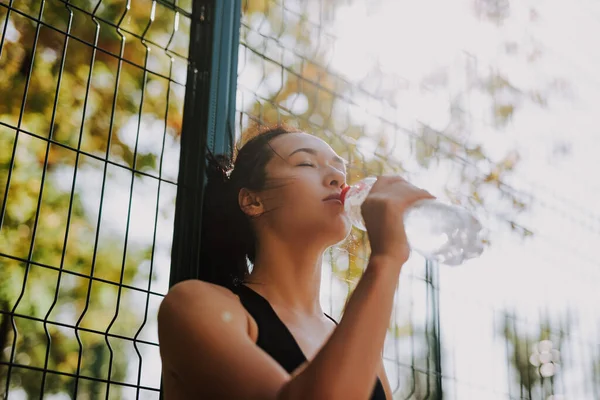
(275, 338)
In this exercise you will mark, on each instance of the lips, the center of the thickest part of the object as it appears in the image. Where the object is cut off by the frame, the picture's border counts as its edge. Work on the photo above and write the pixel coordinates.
(335, 196)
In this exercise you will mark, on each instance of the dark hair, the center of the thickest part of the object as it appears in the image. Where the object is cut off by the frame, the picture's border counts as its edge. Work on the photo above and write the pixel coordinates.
(227, 238)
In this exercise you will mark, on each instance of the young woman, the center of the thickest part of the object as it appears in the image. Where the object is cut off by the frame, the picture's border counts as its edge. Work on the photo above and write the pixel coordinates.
(262, 334)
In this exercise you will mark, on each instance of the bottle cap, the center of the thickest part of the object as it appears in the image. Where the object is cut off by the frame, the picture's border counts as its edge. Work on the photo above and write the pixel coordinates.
(343, 194)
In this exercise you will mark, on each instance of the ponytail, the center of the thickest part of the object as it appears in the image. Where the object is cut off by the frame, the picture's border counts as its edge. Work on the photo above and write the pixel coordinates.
(227, 240)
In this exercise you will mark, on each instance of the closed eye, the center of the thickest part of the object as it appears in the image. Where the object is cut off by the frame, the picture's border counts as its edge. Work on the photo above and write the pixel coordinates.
(306, 165)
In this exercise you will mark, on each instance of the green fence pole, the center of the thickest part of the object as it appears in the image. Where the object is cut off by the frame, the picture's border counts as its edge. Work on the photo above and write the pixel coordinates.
(208, 121)
(224, 66)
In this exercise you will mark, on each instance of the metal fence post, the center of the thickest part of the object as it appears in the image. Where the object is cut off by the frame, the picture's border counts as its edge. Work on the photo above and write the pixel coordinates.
(221, 118)
(207, 121)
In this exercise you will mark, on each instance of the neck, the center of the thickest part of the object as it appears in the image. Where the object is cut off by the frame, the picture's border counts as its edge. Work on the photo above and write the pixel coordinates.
(288, 274)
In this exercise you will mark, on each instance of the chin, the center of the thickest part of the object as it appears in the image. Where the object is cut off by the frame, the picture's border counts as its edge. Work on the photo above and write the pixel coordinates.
(339, 230)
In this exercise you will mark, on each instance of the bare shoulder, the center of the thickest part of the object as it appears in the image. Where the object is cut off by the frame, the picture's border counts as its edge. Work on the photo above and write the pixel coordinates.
(201, 301)
(206, 344)
(200, 289)
(196, 313)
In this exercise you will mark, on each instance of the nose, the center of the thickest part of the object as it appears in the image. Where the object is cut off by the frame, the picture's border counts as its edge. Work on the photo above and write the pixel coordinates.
(335, 178)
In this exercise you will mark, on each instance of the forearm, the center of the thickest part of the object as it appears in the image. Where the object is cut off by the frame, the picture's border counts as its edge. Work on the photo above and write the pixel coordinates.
(346, 366)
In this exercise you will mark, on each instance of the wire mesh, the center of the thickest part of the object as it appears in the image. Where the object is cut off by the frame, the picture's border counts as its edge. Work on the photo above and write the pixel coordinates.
(518, 323)
(89, 129)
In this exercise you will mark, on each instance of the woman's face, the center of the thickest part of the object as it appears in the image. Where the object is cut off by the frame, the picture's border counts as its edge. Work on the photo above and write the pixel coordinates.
(303, 173)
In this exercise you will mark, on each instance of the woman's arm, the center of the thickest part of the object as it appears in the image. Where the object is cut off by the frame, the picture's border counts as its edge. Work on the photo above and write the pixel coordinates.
(205, 344)
(385, 381)
(346, 367)
(206, 348)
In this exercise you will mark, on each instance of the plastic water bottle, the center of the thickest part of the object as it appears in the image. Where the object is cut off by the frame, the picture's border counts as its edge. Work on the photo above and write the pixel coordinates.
(440, 232)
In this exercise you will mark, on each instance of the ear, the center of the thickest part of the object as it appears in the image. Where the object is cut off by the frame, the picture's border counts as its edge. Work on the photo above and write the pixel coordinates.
(250, 203)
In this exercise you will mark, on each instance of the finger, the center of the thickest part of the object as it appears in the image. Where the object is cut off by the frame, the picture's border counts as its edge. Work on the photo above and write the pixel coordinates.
(425, 194)
(389, 179)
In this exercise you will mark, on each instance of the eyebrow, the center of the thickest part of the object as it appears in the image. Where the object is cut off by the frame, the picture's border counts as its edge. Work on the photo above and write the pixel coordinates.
(314, 152)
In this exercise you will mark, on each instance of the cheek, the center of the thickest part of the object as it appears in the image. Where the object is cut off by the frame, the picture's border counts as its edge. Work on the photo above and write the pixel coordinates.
(294, 198)
(301, 206)
(300, 191)
(297, 208)
(278, 192)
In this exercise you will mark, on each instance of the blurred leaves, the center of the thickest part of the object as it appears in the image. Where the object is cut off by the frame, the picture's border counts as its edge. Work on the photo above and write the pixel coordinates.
(528, 351)
(297, 86)
(493, 10)
(98, 109)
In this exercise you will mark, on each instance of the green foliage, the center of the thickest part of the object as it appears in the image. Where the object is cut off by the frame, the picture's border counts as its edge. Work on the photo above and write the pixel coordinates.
(83, 100)
(304, 76)
(522, 348)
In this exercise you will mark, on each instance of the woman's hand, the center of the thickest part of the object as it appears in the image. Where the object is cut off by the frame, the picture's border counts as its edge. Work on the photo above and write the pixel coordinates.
(383, 211)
